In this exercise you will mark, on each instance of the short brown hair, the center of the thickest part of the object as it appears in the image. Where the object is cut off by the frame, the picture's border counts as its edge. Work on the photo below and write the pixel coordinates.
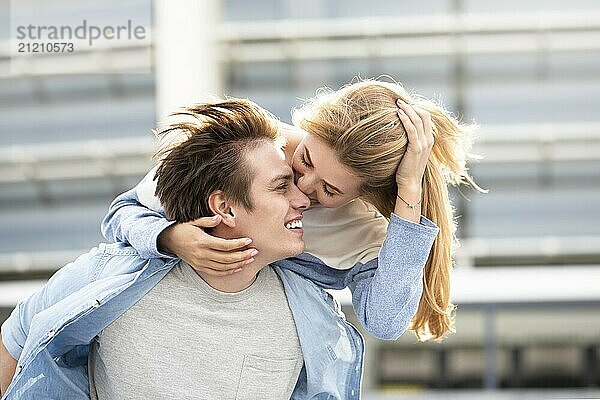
(212, 156)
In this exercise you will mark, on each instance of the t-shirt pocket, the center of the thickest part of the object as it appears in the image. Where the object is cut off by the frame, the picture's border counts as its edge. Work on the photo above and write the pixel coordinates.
(265, 378)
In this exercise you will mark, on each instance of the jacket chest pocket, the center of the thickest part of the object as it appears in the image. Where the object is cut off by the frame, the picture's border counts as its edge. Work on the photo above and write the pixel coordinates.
(264, 378)
(76, 357)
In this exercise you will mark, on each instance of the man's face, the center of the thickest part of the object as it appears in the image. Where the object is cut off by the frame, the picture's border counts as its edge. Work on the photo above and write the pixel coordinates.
(275, 222)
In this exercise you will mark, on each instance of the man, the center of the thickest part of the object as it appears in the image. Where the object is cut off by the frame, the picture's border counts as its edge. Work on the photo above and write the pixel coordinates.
(111, 325)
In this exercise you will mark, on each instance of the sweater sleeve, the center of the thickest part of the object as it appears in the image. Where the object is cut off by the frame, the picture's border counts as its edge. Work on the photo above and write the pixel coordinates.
(136, 218)
(386, 291)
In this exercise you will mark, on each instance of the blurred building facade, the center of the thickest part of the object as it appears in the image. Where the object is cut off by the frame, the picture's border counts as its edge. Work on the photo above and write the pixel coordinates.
(528, 272)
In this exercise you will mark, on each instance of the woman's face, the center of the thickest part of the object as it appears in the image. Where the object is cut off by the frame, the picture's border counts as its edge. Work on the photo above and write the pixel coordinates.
(321, 176)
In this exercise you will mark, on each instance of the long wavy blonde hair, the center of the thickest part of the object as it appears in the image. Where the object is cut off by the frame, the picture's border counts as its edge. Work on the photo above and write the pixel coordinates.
(360, 123)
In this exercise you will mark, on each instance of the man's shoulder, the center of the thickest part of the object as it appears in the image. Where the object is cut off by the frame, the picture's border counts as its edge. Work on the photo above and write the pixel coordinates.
(287, 270)
(111, 259)
(116, 249)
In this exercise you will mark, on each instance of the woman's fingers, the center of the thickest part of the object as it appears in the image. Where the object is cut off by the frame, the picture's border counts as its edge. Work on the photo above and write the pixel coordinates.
(212, 242)
(204, 252)
(418, 126)
(410, 111)
(230, 258)
(206, 222)
(221, 244)
(221, 262)
(427, 125)
(421, 121)
(217, 269)
(409, 127)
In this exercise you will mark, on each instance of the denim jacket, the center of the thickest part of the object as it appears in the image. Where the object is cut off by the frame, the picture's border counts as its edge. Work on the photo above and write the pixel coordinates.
(50, 332)
(386, 288)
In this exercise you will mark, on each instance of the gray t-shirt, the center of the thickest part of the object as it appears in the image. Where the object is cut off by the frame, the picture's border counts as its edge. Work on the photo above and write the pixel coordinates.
(186, 340)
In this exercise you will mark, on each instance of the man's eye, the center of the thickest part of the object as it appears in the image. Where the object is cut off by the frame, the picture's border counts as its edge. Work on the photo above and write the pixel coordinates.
(327, 192)
(283, 187)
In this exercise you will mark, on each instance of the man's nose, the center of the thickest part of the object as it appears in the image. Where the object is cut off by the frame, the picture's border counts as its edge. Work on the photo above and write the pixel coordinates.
(299, 199)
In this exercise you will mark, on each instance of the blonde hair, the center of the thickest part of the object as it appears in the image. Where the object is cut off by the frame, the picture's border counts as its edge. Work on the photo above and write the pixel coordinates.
(360, 122)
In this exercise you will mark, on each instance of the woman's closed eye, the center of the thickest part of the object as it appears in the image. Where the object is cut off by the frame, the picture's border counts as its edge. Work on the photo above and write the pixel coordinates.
(327, 192)
(304, 162)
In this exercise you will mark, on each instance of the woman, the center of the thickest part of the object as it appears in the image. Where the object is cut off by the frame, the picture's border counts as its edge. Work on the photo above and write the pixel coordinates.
(369, 150)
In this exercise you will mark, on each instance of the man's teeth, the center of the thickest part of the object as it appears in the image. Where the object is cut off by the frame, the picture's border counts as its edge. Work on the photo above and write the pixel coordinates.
(294, 224)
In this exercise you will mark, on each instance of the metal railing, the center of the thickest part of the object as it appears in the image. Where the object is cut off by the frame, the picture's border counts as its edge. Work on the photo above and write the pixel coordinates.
(471, 285)
(541, 247)
(432, 35)
(132, 156)
(76, 160)
(547, 142)
(534, 248)
(343, 38)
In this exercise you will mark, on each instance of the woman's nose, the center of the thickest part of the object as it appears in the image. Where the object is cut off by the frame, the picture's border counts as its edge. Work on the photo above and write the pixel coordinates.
(305, 184)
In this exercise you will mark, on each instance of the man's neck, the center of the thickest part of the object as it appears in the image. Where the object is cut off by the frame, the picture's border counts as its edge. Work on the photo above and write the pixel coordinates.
(237, 281)
(233, 283)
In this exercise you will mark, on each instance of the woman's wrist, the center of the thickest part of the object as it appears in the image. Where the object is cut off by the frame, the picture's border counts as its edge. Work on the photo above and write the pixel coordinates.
(410, 193)
(408, 202)
(164, 240)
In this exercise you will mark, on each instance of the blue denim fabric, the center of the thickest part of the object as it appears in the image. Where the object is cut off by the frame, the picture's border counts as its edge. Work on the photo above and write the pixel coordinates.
(50, 332)
(385, 291)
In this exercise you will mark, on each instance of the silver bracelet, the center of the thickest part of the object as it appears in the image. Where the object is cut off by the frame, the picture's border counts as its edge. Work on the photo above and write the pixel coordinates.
(411, 206)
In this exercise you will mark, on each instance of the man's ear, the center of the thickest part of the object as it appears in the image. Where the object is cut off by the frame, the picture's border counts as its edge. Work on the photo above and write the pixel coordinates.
(220, 205)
